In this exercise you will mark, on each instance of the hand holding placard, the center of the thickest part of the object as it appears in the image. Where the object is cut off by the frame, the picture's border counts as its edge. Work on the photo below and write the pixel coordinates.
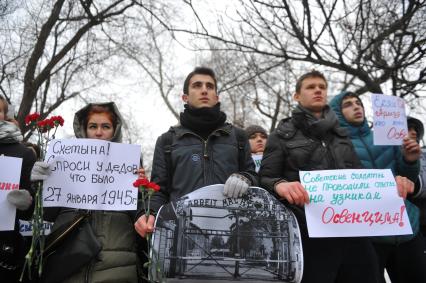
(293, 192)
(404, 186)
(41, 171)
(411, 150)
(21, 199)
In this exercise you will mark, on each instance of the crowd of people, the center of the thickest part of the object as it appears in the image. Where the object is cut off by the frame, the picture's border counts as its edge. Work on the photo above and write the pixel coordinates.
(204, 149)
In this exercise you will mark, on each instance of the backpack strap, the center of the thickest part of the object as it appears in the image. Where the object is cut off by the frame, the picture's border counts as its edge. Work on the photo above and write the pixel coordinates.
(241, 142)
(167, 148)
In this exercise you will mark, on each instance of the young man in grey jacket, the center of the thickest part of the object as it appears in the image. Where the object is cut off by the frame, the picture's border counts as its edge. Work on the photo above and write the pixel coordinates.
(202, 150)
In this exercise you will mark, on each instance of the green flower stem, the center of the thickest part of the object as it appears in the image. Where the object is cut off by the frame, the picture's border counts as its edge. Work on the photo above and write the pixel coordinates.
(35, 254)
(147, 192)
(142, 190)
(150, 192)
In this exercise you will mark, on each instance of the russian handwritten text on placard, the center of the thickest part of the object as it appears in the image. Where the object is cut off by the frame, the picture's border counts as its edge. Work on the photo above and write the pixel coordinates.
(91, 174)
(389, 119)
(345, 203)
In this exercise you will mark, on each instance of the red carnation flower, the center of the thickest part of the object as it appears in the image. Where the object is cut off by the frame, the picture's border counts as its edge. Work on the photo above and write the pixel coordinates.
(45, 125)
(50, 123)
(57, 120)
(31, 118)
(141, 183)
(146, 184)
(153, 186)
(42, 126)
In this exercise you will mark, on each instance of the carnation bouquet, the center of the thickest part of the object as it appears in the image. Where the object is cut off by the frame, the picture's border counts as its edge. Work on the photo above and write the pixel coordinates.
(45, 130)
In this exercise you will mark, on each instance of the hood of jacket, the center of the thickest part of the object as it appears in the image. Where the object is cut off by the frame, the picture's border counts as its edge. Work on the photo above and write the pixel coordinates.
(336, 105)
(418, 126)
(80, 115)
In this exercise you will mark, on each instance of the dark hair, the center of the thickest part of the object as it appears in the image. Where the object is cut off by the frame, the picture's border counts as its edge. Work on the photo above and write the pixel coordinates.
(352, 94)
(417, 125)
(311, 74)
(5, 106)
(97, 109)
(199, 71)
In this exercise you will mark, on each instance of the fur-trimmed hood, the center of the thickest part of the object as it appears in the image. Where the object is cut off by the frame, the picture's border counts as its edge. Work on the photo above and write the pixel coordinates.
(80, 115)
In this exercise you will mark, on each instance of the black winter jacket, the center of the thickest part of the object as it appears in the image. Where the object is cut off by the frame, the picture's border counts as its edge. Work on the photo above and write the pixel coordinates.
(290, 149)
(196, 162)
(12, 248)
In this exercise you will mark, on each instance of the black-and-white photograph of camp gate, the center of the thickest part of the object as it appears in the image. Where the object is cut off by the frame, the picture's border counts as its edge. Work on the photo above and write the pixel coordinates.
(205, 235)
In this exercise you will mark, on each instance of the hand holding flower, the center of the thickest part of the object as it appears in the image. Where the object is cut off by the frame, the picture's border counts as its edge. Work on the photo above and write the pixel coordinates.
(145, 225)
(141, 173)
(147, 188)
(41, 171)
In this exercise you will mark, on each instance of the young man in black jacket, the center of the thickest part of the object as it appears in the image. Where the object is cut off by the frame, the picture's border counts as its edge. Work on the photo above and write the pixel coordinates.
(311, 139)
(202, 150)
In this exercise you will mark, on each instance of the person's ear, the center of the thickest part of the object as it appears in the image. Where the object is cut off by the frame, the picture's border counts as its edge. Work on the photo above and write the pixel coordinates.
(185, 98)
(296, 96)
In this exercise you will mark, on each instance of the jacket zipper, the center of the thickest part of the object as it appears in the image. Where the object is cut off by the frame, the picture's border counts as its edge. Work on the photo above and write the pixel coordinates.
(206, 158)
(329, 154)
(205, 153)
(208, 173)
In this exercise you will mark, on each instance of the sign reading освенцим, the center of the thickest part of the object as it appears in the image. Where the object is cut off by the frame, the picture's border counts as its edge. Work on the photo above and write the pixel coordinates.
(91, 174)
(350, 203)
(389, 119)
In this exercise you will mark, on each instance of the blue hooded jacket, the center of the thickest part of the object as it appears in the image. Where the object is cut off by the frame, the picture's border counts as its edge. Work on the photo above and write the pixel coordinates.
(380, 157)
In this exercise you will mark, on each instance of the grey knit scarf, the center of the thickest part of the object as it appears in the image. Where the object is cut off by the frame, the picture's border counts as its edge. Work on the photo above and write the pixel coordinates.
(9, 133)
(318, 128)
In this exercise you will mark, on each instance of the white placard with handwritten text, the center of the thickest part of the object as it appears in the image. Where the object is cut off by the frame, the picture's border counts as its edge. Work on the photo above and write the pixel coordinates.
(91, 174)
(10, 174)
(350, 203)
(389, 119)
